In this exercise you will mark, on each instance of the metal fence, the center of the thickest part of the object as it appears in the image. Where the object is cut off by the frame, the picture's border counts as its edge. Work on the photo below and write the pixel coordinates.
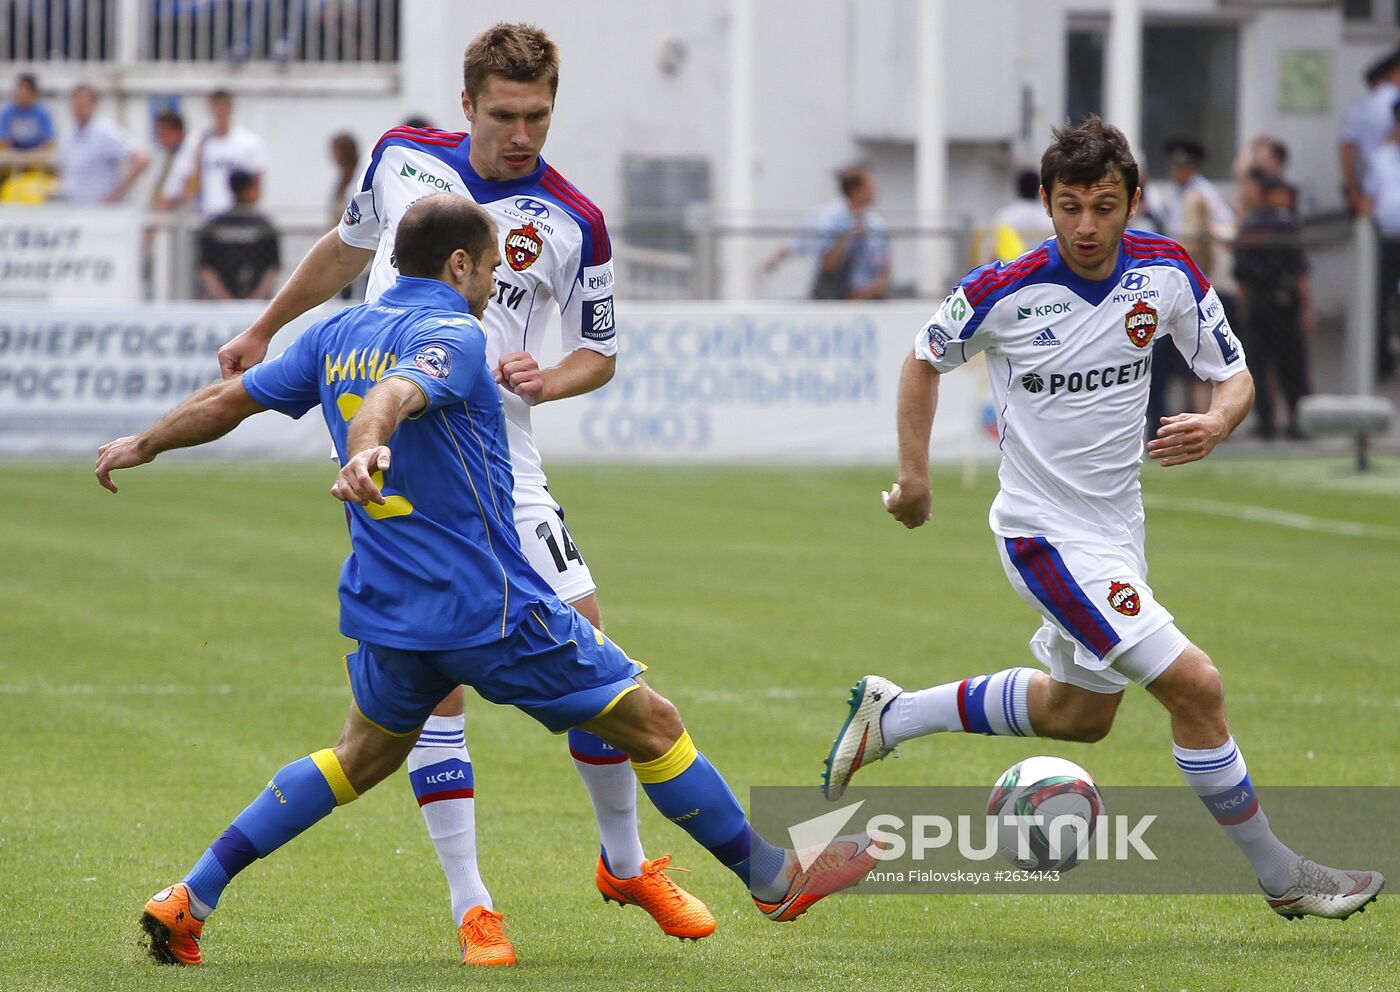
(279, 31)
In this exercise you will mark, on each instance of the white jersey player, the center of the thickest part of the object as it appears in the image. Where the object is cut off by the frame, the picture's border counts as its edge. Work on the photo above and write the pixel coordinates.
(556, 253)
(1067, 331)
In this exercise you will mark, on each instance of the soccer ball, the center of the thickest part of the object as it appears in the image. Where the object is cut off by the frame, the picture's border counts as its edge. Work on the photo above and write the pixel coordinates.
(1046, 808)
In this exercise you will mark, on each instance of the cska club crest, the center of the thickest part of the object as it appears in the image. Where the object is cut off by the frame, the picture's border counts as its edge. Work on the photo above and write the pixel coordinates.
(1141, 324)
(1124, 598)
(523, 246)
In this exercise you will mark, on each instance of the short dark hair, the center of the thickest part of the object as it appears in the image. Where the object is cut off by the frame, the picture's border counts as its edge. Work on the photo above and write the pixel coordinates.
(1081, 155)
(239, 181)
(1027, 184)
(518, 52)
(1280, 151)
(436, 226)
(852, 178)
(28, 79)
(172, 118)
(221, 94)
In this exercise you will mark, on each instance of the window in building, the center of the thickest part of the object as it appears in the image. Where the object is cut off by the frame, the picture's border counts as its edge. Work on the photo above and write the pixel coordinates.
(1190, 89)
(1084, 78)
(316, 31)
(659, 195)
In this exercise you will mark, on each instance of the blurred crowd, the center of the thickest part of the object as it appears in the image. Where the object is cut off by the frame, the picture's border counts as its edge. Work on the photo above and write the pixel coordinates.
(213, 175)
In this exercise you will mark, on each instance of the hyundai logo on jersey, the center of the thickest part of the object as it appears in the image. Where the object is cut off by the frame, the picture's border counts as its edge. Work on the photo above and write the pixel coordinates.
(532, 207)
(1135, 280)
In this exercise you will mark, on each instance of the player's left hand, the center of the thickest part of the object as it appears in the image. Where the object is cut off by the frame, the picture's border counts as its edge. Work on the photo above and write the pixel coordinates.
(356, 482)
(1186, 437)
(522, 375)
(124, 452)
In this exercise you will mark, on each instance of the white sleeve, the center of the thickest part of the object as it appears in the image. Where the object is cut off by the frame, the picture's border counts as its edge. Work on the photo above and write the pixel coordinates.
(953, 334)
(361, 225)
(586, 315)
(1203, 335)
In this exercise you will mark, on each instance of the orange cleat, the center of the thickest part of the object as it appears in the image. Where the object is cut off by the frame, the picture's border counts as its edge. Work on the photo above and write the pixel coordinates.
(676, 911)
(483, 940)
(172, 927)
(843, 863)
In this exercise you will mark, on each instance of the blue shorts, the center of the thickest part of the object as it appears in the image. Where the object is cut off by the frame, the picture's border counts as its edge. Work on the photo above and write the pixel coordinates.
(554, 666)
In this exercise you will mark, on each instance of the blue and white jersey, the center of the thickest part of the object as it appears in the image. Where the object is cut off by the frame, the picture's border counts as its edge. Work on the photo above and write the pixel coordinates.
(1070, 364)
(554, 247)
(438, 566)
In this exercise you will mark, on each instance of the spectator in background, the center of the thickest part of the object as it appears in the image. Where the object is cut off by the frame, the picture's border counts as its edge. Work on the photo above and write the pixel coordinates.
(1269, 156)
(1381, 201)
(200, 176)
(25, 125)
(1192, 211)
(853, 256)
(239, 257)
(1276, 293)
(850, 241)
(99, 161)
(1365, 126)
(169, 130)
(345, 153)
(1023, 223)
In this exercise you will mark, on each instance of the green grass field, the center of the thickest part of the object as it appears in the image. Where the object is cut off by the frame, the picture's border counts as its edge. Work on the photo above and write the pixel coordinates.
(165, 650)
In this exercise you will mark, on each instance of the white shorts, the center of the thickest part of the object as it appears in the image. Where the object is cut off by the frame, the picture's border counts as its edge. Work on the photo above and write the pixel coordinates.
(1103, 626)
(548, 547)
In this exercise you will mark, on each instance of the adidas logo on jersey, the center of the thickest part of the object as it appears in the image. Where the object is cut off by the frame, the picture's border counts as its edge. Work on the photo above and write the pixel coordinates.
(1045, 339)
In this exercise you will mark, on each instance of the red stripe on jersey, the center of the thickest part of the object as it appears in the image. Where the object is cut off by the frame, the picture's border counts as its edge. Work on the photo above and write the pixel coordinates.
(1012, 273)
(447, 139)
(1163, 249)
(567, 192)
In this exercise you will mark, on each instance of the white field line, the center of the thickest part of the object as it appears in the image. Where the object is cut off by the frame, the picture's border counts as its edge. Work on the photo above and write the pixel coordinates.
(1265, 515)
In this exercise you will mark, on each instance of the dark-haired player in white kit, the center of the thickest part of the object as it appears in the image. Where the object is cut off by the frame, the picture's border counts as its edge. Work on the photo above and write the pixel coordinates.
(556, 254)
(1067, 331)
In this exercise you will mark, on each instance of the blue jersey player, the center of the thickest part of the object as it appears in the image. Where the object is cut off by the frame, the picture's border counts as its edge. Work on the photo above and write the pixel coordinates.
(436, 589)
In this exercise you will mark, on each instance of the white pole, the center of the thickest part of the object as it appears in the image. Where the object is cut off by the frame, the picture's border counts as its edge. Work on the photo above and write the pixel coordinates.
(931, 150)
(739, 253)
(1123, 79)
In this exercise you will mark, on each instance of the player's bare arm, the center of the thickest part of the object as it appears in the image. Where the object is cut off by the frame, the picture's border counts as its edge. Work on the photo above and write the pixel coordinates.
(579, 372)
(328, 267)
(1189, 437)
(909, 499)
(206, 415)
(386, 406)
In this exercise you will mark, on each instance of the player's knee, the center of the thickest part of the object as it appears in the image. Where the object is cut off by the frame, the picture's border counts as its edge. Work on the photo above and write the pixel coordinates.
(663, 722)
(1091, 726)
(1192, 686)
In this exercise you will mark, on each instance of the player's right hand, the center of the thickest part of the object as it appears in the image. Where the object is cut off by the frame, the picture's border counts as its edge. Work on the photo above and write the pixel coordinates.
(357, 482)
(241, 353)
(911, 506)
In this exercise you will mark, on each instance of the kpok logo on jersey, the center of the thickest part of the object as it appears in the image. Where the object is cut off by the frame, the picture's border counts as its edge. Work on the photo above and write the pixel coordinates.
(1043, 310)
(434, 360)
(1141, 324)
(523, 247)
(425, 177)
(1124, 598)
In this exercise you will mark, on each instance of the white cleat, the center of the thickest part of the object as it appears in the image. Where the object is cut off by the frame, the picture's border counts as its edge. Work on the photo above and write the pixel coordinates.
(1328, 892)
(860, 741)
